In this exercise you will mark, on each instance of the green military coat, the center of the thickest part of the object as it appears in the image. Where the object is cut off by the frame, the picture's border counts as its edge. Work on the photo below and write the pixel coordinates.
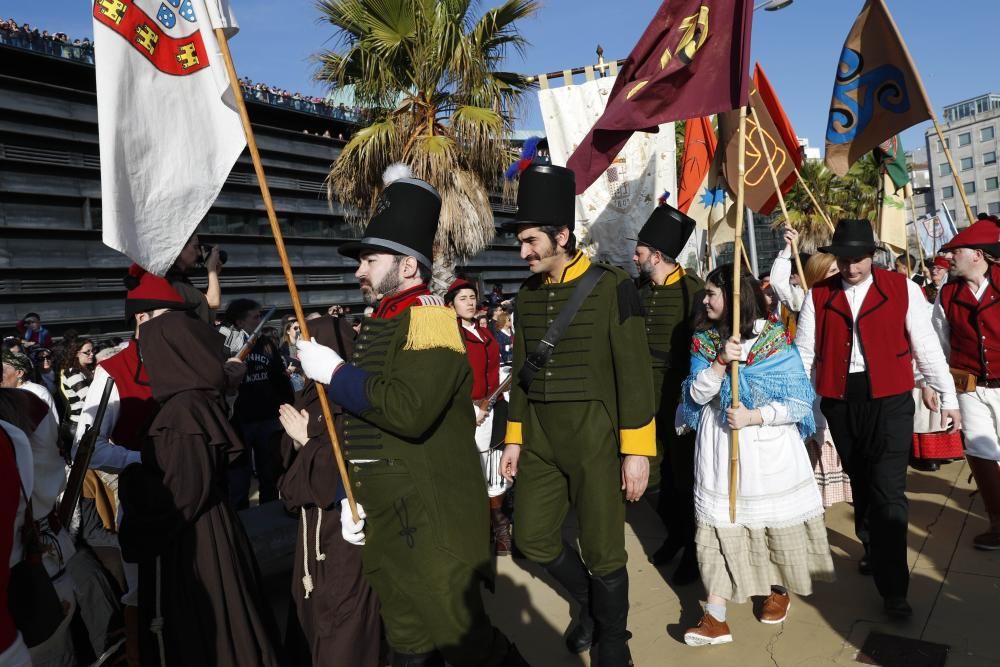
(602, 356)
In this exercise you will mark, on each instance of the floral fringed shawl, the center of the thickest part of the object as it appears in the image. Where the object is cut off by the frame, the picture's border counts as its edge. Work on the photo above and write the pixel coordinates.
(772, 373)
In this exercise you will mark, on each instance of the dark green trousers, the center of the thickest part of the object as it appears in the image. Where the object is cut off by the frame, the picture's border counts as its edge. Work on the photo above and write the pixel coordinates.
(570, 459)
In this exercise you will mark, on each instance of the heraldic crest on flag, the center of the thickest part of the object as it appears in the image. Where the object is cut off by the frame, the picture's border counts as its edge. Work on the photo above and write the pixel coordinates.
(174, 47)
(159, 64)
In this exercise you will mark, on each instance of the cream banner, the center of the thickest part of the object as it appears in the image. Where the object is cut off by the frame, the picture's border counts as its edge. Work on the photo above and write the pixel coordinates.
(612, 210)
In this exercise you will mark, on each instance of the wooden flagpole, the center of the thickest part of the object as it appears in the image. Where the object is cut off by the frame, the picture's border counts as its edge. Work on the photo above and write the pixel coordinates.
(279, 241)
(812, 198)
(781, 197)
(916, 233)
(734, 368)
(954, 171)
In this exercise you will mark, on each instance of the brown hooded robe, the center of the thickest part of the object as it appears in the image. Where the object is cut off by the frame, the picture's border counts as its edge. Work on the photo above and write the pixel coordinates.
(196, 567)
(340, 616)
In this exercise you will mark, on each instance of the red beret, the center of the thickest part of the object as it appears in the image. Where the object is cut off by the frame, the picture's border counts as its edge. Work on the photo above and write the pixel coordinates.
(983, 234)
(942, 263)
(148, 291)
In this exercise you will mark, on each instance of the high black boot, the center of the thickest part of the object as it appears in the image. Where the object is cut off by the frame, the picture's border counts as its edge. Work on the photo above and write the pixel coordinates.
(609, 605)
(568, 569)
(432, 659)
(514, 658)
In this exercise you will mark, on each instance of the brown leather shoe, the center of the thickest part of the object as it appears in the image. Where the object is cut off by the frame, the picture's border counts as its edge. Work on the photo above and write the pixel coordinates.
(708, 632)
(775, 608)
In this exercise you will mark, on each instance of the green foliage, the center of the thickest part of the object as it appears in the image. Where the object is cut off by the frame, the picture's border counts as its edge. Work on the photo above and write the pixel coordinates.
(430, 71)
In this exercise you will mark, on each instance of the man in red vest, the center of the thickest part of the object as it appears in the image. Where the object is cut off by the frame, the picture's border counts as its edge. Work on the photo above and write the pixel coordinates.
(862, 329)
(967, 318)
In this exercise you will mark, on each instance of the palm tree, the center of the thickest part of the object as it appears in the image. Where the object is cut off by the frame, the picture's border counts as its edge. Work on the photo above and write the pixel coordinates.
(429, 71)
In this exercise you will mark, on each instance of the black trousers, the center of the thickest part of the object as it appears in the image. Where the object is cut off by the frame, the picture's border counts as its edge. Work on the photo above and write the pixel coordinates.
(874, 439)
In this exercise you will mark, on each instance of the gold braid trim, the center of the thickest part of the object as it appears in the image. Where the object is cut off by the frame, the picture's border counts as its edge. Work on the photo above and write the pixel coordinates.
(433, 327)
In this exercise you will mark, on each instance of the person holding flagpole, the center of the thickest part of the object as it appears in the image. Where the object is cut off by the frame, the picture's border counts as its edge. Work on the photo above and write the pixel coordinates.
(859, 333)
(778, 542)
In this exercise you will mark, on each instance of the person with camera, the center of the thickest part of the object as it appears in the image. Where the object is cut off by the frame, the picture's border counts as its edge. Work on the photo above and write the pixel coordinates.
(193, 255)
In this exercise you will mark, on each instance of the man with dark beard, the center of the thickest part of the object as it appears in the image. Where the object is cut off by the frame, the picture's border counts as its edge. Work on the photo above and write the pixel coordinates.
(409, 436)
(669, 297)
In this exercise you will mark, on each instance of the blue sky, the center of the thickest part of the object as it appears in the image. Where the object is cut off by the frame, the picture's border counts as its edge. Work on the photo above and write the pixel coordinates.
(953, 43)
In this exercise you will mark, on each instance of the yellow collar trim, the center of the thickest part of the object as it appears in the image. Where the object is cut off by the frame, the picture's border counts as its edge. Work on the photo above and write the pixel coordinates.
(576, 268)
(674, 277)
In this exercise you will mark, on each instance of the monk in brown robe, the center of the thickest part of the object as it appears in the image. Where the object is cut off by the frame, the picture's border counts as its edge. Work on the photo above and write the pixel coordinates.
(337, 609)
(200, 596)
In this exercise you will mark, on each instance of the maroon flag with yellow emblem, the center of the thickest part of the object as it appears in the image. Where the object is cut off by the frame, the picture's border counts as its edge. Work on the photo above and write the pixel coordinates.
(692, 61)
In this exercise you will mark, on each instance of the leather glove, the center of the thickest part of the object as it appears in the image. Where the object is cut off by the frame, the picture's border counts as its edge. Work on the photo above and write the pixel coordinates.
(319, 362)
(353, 533)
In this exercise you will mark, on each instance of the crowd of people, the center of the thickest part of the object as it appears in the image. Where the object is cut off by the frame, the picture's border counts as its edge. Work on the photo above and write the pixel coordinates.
(59, 44)
(470, 426)
(262, 92)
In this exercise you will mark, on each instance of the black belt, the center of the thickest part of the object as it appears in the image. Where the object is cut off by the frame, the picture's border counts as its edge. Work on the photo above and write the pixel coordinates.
(988, 383)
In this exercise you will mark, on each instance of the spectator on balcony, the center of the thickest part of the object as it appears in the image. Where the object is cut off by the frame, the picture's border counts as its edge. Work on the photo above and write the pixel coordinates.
(193, 255)
(33, 333)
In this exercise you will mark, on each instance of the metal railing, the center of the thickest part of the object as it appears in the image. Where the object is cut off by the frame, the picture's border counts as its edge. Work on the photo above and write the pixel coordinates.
(84, 53)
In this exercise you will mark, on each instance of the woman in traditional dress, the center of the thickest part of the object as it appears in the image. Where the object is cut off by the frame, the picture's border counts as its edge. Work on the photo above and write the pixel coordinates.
(778, 542)
(201, 601)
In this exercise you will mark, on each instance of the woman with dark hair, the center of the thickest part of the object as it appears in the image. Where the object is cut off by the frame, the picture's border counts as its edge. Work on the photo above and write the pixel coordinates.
(202, 600)
(75, 377)
(778, 542)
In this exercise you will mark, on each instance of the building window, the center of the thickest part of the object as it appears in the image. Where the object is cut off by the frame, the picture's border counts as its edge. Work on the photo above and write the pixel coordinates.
(965, 139)
(969, 187)
(994, 208)
(992, 183)
(975, 210)
(944, 169)
(940, 146)
(986, 133)
(990, 157)
(965, 163)
(947, 192)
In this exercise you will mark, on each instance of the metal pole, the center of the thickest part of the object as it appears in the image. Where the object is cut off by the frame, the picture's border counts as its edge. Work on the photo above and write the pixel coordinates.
(752, 238)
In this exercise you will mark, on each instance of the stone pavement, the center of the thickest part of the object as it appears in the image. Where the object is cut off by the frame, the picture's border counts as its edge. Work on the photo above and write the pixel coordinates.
(954, 590)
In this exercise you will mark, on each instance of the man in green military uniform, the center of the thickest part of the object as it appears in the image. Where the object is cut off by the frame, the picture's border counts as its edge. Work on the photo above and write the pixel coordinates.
(582, 431)
(409, 438)
(669, 297)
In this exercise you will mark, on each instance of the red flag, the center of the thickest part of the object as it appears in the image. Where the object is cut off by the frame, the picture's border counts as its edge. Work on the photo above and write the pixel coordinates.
(699, 151)
(762, 87)
(690, 62)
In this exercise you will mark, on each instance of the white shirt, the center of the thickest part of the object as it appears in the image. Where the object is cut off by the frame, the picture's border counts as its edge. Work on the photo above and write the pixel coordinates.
(107, 456)
(781, 281)
(924, 343)
(940, 319)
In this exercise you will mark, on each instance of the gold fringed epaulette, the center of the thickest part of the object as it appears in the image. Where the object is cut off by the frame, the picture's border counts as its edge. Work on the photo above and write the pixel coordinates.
(433, 327)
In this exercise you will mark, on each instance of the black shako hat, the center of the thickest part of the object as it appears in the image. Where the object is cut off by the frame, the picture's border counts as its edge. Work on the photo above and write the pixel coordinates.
(546, 195)
(852, 238)
(666, 230)
(404, 223)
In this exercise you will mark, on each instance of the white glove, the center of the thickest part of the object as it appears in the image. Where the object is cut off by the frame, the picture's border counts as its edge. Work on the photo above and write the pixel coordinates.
(318, 362)
(353, 533)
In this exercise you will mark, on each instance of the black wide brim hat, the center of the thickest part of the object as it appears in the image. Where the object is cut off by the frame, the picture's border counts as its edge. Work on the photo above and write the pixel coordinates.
(666, 230)
(404, 223)
(852, 238)
(546, 195)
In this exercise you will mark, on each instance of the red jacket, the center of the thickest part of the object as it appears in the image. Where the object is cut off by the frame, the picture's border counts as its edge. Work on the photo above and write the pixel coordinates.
(881, 329)
(484, 359)
(975, 326)
(138, 407)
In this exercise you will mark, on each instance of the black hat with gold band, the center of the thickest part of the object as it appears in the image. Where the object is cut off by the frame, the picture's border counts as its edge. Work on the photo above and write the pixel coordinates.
(405, 219)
